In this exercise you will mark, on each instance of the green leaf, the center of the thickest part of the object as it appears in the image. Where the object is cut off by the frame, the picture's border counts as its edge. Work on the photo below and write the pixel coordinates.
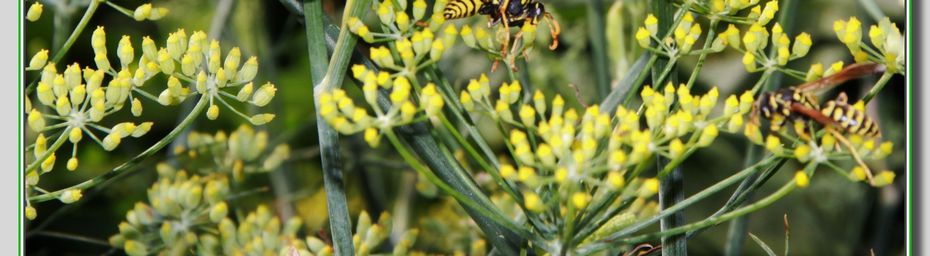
(765, 247)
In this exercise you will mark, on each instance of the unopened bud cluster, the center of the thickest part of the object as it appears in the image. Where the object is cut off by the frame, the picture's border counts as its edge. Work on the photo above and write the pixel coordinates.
(414, 46)
(342, 114)
(244, 151)
(886, 38)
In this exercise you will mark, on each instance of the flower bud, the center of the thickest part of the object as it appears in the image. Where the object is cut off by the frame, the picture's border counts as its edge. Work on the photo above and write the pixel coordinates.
(802, 45)
(75, 135)
(676, 148)
(72, 164)
(802, 153)
(402, 20)
(884, 178)
(142, 12)
(768, 13)
(34, 13)
(165, 62)
(232, 60)
(468, 36)
(36, 121)
(649, 188)
(201, 84)
(63, 106)
(264, 95)
(244, 93)
(213, 58)
(386, 12)
(419, 8)
(651, 24)
(32, 178)
(142, 129)
(134, 248)
(218, 212)
(111, 141)
(533, 202)
(261, 119)
(70, 196)
(801, 179)
(30, 211)
(157, 13)
(220, 78)
(98, 41)
(136, 108)
(580, 199)
(48, 163)
(125, 52)
(248, 71)
(749, 61)
(213, 112)
(38, 60)
(707, 136)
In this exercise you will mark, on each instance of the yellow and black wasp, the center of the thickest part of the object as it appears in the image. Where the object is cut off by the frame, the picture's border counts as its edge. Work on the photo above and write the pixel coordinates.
(511, 13)
(798, 105)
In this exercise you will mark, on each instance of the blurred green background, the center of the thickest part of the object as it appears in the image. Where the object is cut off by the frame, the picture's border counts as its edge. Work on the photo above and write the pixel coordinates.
(832, 217)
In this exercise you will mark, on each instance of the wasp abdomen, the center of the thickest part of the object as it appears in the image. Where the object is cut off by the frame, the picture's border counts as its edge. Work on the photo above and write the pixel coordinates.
(850, 119)
(457, 9)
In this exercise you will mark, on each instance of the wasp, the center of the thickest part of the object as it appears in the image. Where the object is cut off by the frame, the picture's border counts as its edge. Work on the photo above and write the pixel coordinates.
(798, 104)
(510, 13)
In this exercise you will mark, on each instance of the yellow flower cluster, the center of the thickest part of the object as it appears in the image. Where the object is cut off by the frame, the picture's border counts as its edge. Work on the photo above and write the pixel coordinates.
(683, 38)
(554, 144)
(242, 151)
(341, 112)
(887, 40)
(148, 12)
(417, 46)
(77, 99)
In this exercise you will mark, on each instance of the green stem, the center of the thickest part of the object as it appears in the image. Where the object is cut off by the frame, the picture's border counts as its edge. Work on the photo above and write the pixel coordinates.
(91, 9)
(598, 49)
(422, 170)
(708, 42)
(877, 87)
(782, 192)
(201, 104)
(690, 200)
(51, 150)
(327, 75)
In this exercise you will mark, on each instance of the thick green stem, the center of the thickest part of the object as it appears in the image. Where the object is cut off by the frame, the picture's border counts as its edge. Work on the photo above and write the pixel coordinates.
(598, 48)
(325, 77)
(201, 104)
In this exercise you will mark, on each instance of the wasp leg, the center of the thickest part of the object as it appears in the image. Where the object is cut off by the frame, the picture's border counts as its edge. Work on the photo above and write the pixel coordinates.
(506, 42)
(852, 151)
(554, 31)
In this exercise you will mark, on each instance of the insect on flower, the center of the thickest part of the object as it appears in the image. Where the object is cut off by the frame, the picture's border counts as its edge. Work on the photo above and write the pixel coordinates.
(512, 13)
(798, 105)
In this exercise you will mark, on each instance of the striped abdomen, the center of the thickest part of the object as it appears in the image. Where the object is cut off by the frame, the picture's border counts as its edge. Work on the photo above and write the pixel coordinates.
(851, 119)
(457, 9)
